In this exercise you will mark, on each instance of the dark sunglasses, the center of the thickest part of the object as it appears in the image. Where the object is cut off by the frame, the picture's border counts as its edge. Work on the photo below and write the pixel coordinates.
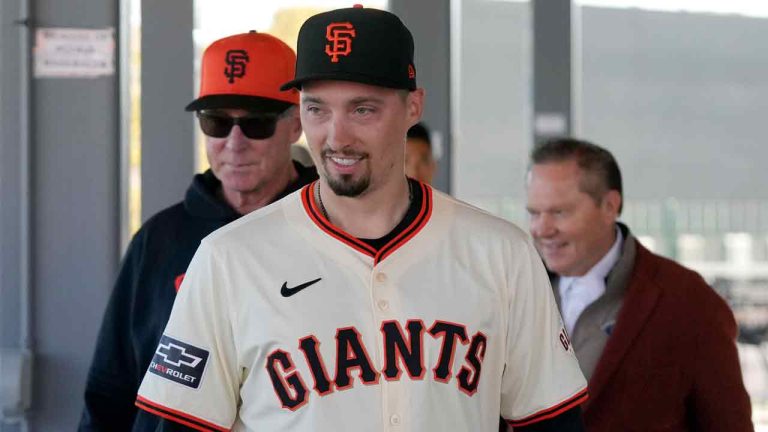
(257, 126)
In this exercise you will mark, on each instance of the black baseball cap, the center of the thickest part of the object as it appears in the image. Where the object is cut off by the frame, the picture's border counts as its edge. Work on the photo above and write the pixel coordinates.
(368, 46)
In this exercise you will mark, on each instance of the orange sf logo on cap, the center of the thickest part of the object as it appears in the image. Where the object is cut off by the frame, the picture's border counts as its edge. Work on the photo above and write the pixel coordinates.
(340, 37)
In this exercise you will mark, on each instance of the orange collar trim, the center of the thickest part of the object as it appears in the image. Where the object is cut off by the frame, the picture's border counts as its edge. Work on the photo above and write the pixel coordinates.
(314, 213)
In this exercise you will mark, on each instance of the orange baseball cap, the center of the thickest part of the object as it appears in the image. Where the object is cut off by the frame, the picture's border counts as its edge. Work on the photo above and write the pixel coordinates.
(245, 71)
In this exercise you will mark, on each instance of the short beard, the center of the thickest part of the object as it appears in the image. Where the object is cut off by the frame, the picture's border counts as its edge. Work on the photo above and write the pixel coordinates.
(347, 187)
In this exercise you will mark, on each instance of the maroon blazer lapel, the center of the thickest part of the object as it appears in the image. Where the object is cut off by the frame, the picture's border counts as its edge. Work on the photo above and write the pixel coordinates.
(639, 301)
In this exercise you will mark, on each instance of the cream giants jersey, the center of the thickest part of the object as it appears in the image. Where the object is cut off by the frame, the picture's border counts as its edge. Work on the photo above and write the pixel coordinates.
(286, 323)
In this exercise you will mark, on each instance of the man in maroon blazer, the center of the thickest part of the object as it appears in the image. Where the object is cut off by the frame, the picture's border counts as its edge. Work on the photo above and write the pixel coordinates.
(656, 343)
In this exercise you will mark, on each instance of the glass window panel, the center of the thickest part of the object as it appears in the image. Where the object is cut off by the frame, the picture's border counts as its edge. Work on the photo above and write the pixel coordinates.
(491, 106)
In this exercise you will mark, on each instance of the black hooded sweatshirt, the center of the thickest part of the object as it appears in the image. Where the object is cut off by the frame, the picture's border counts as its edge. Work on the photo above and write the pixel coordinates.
(142, 298)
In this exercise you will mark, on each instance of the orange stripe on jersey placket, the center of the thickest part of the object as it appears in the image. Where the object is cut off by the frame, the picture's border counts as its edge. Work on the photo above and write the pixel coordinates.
(177, 416)
(332, 230)
(421, 220)
(551, 412)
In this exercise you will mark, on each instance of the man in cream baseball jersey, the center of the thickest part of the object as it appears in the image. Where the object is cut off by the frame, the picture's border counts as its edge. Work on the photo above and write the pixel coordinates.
(365, 301)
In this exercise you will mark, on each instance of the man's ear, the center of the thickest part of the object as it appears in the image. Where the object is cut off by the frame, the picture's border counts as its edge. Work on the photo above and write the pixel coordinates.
(294, 124)
(612, 203)
(415, 105)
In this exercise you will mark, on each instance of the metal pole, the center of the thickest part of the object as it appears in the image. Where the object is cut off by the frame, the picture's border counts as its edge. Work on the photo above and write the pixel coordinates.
(25, 261)
(552, 68)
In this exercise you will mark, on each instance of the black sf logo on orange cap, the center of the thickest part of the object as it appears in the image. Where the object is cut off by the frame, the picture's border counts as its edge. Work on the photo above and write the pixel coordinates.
(340, 36)
(236, 62)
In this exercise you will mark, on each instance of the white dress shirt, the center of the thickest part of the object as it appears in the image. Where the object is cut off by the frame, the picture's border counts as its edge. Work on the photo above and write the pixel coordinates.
(578, 292)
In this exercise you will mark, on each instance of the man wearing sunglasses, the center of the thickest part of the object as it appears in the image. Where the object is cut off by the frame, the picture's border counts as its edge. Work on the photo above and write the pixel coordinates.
(379, 303)
(249, 126)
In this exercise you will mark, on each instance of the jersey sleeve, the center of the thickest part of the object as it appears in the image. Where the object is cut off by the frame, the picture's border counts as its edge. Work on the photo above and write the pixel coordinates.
(541, 378)
(568, 421)
(193, 378)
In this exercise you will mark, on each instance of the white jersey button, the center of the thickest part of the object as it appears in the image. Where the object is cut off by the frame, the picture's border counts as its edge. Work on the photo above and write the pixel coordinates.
(383, 305)
(395, 419)
(381, 277)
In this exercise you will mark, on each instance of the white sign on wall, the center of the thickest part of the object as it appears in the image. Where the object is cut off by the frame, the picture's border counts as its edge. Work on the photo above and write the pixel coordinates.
(74, 53)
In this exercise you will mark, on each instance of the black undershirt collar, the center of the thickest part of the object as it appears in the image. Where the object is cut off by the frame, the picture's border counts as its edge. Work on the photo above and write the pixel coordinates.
(410, 216)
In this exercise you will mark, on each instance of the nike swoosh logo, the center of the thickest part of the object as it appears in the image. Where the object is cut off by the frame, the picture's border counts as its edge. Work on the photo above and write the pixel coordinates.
(287, 292)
